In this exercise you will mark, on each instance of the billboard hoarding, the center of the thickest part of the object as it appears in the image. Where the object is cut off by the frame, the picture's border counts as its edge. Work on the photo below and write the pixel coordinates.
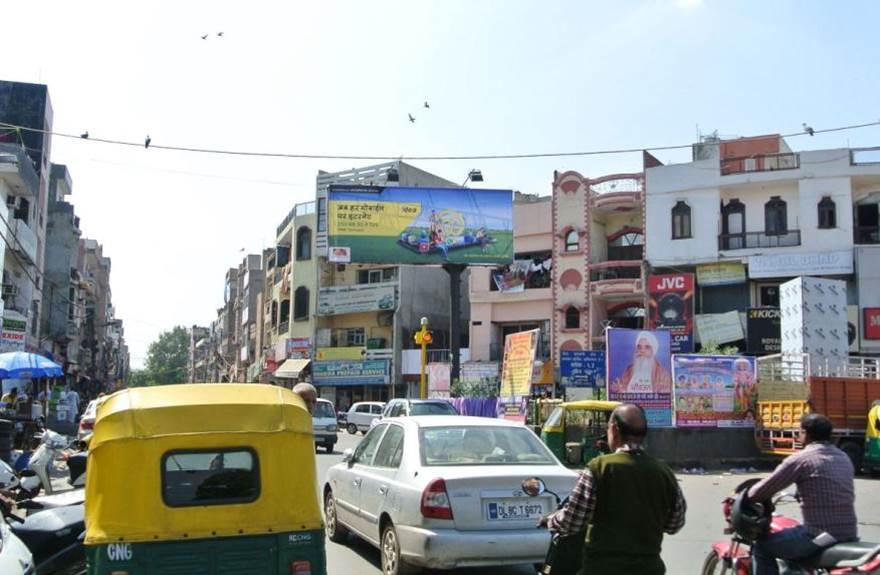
(519, 361)
(582, 368)
(438, 379)
(721, 274)
(714, 390)
(718, 328)
(338, 300)
(401, 225)
(640, 371)
(763, 330)
(14, 332)
(671, 306)
(341, 372)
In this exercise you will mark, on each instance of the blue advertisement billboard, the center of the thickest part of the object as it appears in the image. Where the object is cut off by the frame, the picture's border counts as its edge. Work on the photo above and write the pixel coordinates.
(640, 371)
(400, 225)
(579, 368)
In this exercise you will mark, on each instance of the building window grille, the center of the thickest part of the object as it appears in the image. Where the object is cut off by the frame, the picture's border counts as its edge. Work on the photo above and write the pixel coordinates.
(681, 221)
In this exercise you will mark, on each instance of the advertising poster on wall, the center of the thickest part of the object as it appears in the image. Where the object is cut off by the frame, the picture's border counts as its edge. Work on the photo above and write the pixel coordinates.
(13, 334)
(344, 372)
(579, 368)
(399, 225)
(640, 371)
(338, 300)
(714, 390)
(519, 361)
(721, 274)
(764, 328)
(671, 306)
(438, 379)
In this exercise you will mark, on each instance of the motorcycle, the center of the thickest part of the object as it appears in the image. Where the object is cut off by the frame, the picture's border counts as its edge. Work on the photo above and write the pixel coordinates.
(55, 537)
(733, 557)
(565, 553)
(39, 466)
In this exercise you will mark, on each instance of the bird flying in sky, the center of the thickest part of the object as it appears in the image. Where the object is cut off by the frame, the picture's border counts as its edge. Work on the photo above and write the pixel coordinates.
(426, 104)
(205, 37)
(411, 119)
(147, 142)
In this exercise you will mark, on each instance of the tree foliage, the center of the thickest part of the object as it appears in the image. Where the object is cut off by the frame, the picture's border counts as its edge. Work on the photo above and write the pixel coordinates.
(167, 358)
(139, 378)
(712, 348)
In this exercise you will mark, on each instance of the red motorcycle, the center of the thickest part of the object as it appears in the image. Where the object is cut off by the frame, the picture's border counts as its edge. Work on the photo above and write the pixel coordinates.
(733, 557)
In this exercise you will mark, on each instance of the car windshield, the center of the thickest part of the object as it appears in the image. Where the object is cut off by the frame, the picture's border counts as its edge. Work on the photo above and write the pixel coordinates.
(436, 408)
(324, 410)
(481, 445)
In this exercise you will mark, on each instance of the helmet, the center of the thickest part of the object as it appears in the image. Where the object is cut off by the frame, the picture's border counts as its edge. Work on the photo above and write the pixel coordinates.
(749, 519)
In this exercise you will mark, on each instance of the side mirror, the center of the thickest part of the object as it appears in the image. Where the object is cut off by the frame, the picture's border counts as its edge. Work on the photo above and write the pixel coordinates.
(348, 456)
(533, 487)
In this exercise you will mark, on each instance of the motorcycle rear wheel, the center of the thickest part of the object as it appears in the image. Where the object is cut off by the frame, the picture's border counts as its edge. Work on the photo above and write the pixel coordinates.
(715, 565)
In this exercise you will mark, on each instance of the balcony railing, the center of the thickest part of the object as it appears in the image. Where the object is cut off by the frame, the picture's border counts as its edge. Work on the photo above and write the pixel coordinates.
(751, 240)
(633, 273)
(765, 163)
(25, 240)
(867, 235)
(625, 253)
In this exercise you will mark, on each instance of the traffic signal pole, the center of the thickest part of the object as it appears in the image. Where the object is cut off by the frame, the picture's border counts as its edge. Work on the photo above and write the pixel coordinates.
(422, 338)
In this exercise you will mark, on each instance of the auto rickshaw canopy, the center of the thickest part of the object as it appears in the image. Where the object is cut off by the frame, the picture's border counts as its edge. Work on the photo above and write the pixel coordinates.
(556, 421)
(136, 430)
(873, 430)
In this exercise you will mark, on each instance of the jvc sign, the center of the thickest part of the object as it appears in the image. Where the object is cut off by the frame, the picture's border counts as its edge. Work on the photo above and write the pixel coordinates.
(671, 303)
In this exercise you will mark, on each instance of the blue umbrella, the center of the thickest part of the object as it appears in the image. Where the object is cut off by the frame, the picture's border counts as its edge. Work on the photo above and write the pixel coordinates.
(24, 365)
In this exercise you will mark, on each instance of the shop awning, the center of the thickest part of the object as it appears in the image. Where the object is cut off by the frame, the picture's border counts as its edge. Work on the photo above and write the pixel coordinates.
(291, 368)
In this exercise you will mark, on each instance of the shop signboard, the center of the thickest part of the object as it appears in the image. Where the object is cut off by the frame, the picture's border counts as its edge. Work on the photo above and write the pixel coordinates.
(719, 328)
(579, 368)
(328, 353)
(814, 264)
(519, 361)
(764, 330)
(340, 372)
(14, 333)
(671, 306)
(339, 300)
(404, 225)
(872, 323)
(299, 347)
(721, 274)
(714, 390)
(640, 371)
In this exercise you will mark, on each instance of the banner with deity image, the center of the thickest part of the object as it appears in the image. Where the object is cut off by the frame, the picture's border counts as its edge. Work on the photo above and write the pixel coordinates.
(639, 371)
(714, 390)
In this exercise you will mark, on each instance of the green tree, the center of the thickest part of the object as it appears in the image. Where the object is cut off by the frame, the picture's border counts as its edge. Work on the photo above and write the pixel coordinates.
(167, 357)
(139, 378)
(712, 348)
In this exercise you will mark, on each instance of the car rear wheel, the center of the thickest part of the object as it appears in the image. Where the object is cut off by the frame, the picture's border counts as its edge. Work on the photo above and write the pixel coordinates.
(352, 428)
(336, 532)
(389, 549)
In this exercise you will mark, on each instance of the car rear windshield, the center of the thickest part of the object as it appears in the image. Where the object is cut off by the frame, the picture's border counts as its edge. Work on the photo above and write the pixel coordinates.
(324, 410)
(210, 477)
(438, 408)
(481, 445)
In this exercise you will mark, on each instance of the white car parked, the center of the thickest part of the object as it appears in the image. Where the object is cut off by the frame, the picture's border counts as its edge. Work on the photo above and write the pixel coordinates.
(445, 492)
(361, 415)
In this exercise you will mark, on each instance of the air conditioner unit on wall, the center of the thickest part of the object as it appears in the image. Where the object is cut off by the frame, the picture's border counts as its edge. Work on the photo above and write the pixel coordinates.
(10, 290)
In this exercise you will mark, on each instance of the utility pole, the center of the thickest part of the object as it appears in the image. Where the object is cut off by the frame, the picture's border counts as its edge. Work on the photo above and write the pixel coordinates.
(455, 271)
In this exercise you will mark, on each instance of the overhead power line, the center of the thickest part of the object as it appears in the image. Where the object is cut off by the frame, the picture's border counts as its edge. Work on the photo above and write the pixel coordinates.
(417, 157)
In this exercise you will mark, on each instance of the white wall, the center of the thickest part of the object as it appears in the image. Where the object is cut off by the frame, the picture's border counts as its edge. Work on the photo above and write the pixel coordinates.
(662, 250)
(811, 193)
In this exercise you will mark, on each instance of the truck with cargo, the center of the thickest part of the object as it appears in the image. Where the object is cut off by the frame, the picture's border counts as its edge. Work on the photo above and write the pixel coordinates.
(789, 386)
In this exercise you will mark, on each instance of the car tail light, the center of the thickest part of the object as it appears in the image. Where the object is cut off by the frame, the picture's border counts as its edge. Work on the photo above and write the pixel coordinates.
(86, 424)
(435, 501)
(300, 568)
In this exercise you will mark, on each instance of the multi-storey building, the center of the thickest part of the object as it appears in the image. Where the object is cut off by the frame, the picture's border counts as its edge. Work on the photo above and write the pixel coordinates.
(374, 337)
(767, 214)
(517, 297)
(598, 266)
(199, 351)
(250, 284)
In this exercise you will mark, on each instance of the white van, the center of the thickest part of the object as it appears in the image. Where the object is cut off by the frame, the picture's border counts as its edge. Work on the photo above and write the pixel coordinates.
(324, 425)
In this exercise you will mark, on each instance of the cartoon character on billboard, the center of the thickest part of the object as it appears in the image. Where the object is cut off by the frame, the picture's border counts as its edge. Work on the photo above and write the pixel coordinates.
(645, 374)
(743, 385)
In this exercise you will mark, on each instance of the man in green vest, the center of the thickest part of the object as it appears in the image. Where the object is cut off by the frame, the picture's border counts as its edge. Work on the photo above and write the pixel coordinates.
(626, 500)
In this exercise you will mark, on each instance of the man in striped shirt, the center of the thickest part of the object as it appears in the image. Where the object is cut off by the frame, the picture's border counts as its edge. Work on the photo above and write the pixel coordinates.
(824, 478)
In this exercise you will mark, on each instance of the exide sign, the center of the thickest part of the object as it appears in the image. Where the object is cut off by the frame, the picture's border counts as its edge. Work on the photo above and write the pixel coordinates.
(671, 303)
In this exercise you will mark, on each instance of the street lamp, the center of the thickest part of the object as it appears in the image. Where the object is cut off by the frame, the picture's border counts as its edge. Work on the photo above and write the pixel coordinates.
(473, 176)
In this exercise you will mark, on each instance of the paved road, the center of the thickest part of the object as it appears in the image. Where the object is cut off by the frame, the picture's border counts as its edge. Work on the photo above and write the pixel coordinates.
(683, 553)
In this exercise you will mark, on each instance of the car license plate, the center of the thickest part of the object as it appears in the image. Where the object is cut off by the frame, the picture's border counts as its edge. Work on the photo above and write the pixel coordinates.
(513, 509)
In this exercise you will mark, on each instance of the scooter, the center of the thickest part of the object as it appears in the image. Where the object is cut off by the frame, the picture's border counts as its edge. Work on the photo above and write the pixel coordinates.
(55, 537)
(734, 557)
(565, 553)
(37, 473)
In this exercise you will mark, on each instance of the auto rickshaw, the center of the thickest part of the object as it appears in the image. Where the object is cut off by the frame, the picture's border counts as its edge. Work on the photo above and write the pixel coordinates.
(203, 478)
(871, 461)
(576, 431)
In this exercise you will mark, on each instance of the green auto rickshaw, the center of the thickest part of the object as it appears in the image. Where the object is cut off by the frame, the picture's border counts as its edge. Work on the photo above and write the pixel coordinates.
(871, 461)
(576, 431)
(203, 478)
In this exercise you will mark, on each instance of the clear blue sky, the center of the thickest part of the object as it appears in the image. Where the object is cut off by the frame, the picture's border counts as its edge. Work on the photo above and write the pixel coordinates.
(340, 77)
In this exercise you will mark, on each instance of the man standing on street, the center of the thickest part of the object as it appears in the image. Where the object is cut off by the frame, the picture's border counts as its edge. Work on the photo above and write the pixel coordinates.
(308, 393)
(627, 500)
(824, 478)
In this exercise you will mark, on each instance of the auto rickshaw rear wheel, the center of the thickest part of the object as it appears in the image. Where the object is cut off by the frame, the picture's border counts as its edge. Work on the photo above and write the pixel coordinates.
(335, 532)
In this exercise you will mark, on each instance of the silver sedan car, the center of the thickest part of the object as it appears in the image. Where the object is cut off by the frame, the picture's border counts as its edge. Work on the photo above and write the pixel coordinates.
(445, 492)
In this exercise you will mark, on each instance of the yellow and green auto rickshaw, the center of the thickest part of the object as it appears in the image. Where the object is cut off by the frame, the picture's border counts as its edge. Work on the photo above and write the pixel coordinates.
(576, 431)
(871, 461)
(204, 478)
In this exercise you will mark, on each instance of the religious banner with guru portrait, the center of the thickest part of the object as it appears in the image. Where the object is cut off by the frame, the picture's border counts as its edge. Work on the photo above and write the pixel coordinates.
(640, 371)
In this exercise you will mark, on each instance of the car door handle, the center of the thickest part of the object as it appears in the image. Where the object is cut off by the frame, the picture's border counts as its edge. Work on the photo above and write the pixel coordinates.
(383, 489)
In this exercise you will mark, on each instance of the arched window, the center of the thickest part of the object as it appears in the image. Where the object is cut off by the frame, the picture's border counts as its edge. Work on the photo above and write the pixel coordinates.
(572, 242)
(827, 214)
(303, 243)
(733, 225)
(301, 304)
(775, 217)
(681, 221)
(572, 318)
